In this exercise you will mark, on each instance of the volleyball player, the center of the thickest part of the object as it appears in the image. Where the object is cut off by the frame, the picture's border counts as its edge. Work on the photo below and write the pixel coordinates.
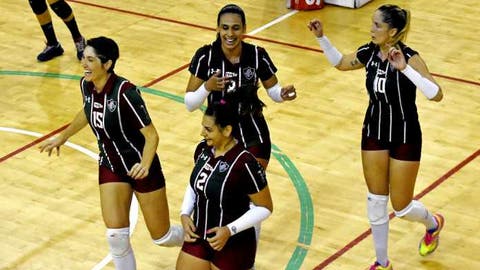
(391, 135)
(128, 163)
(221, 68)
(216, 216)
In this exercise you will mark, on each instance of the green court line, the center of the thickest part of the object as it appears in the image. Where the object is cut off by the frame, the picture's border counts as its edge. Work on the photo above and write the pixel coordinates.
(306, 204)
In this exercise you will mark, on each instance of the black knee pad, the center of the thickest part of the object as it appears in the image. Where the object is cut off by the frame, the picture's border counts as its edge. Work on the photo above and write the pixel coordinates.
(38, 6)
(61, 8)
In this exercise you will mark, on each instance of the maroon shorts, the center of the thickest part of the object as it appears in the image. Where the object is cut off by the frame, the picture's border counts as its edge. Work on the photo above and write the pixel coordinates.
(262, 150)
(237, 254)
(400, 151)
(154, 181)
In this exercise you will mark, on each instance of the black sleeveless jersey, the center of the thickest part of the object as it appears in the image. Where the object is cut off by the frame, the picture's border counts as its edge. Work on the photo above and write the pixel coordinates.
(391, 115)
(116, 116)
(254, 64)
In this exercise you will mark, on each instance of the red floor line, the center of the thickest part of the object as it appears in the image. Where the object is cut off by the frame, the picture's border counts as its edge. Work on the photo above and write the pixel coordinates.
(366, 233)
(456, 79)
(25, 147)
(175, 71)
(143, 15)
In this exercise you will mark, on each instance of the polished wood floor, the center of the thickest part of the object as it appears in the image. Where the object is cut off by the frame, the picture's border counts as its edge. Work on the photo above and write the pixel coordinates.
(50, 207)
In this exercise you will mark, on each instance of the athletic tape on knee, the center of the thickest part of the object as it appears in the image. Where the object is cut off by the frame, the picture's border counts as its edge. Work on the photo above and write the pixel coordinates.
(415, 211)
(174, 237)
(119, 241)
(38, 6)
(377, 209)
(62, 9)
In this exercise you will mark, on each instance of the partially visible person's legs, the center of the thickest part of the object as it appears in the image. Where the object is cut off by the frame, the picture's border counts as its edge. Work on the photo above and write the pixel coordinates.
(53, 47)
(154, 207)
(115, 199)
(65, 12)
(403, 175)
(375, 169)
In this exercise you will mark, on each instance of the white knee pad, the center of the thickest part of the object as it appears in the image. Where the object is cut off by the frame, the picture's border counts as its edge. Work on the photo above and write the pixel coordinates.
(174, 237)
(119, 241)
(377, 209)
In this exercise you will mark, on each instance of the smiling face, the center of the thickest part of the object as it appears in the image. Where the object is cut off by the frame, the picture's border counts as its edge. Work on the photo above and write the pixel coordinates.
(230, 30)
(380, 31)
(94, 69)
(213, 134)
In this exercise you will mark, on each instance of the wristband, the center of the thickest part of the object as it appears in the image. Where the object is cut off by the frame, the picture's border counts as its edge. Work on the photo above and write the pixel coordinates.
(275, 93)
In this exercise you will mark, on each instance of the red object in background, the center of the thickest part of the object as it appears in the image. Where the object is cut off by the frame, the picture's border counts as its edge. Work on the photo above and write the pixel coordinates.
(305, 4)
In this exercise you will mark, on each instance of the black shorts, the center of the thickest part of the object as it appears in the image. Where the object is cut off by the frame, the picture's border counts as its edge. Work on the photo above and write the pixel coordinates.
(154, 181)
(400, 151)
(261, 151)
(237, 254)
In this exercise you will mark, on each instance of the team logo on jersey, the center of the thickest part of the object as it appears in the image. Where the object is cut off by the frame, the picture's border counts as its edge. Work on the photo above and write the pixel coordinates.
(203, 156)
(223, 166)
(111, 105)
(248, 73)
(97, 105)
(212, 71)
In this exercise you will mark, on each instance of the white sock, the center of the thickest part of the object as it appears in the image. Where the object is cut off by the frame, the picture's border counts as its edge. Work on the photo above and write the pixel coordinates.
(380, 240)
(416, 211)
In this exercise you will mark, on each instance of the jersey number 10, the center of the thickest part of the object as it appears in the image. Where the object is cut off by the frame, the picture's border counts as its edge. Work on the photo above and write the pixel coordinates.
(379, 85)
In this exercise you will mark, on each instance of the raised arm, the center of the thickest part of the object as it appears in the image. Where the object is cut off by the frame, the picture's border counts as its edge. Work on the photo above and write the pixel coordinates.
(334, 56)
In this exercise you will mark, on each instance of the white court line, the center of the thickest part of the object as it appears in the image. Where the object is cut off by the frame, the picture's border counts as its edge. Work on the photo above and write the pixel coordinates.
(133, 207)
(277, 20)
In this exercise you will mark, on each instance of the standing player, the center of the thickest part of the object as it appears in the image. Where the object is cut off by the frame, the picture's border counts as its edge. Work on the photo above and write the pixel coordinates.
(220, 69)
(128, 163)
(64, 11)
(391, 135)
(224, 180)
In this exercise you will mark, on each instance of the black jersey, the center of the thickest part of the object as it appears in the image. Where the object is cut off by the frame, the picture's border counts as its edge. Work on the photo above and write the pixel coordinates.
(254, 64)
(116, 116)
(222, 186)
(392, 114)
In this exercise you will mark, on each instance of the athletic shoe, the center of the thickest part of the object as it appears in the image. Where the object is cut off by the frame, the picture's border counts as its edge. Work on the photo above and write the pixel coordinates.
(378, 266)
(80, 46)
(429, 242)
(50, 52)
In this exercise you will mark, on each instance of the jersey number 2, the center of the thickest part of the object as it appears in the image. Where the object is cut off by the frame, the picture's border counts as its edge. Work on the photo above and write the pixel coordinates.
(202, 178)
